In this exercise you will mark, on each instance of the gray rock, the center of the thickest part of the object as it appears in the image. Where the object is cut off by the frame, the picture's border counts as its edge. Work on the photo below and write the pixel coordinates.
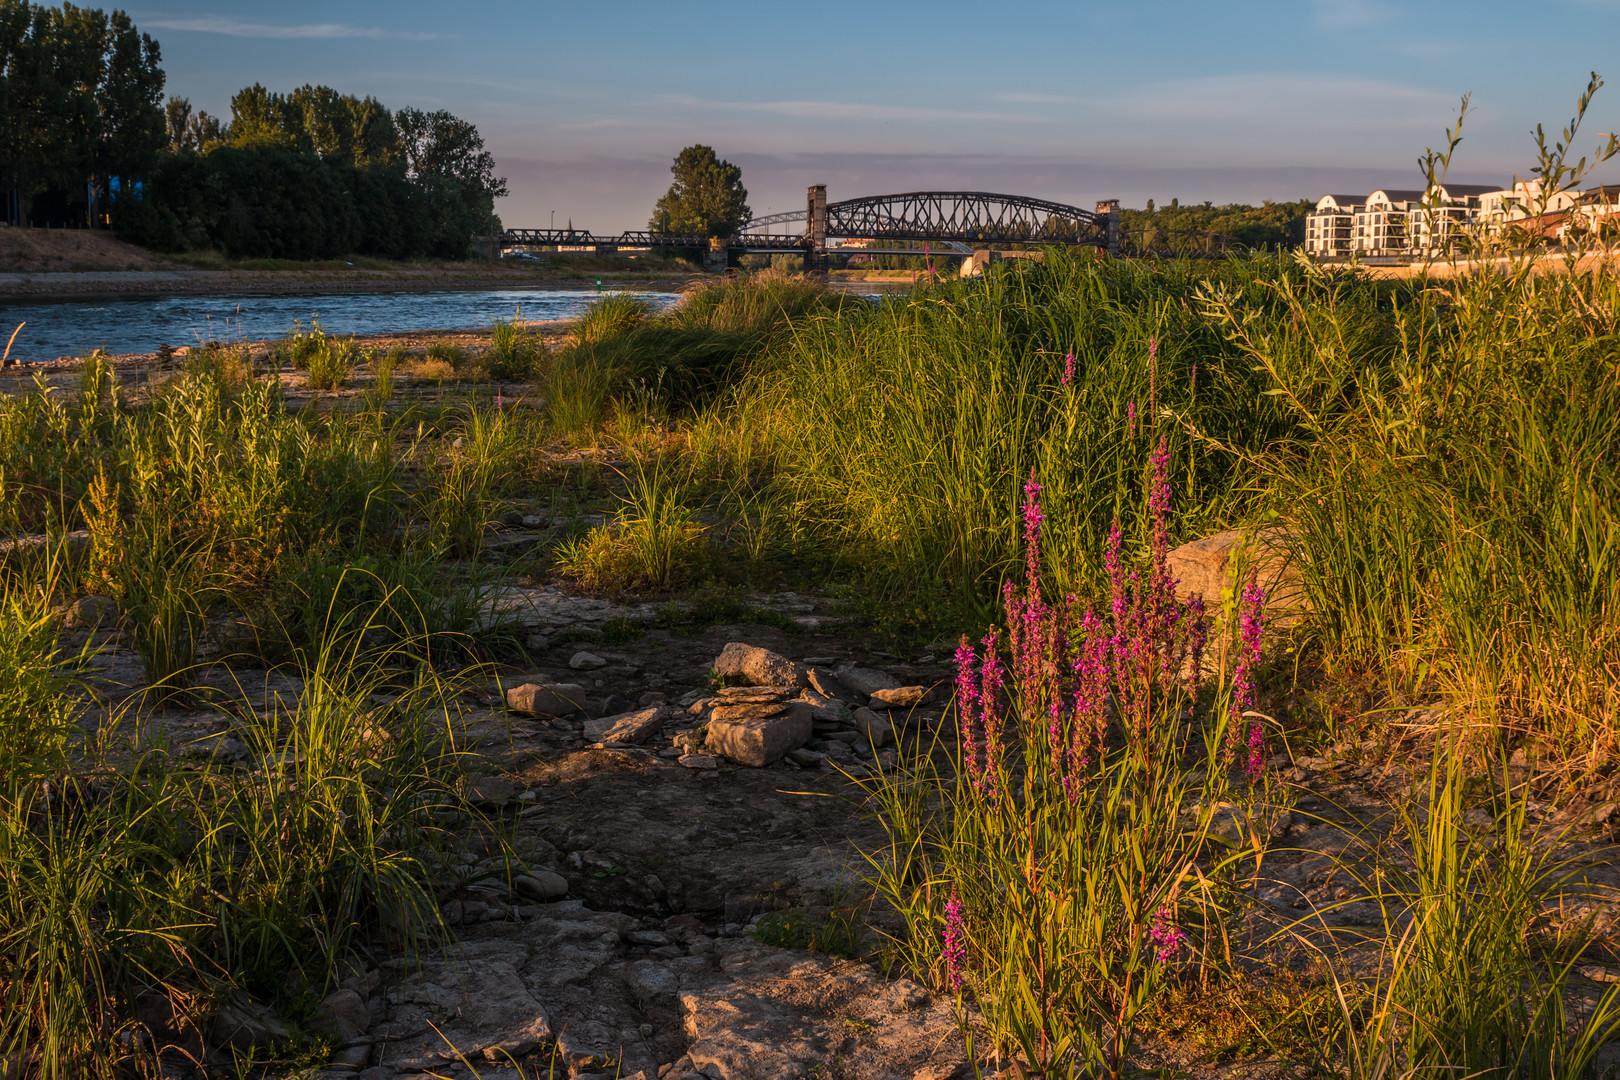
(866, 681)
(541, 885)
(806, 757)
(377, 1072)
(546, 699)
(344, 1015)
(635, 727)
(615, 705)
(760, 740)
(873, 726)
(88, 612)
(754, 666)
(491, 791)
(242, 1023)
(586, 661)
(653, 697)
(700, 761)
(476, 1000)
(830, 685)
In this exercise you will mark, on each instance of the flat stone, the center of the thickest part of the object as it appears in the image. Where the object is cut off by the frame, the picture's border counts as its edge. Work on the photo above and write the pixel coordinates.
(758, 667)
(866, 681)
(540, 885)
(901, 697)
(586, 661)
(634, 727)
(475, 998)
(700, 761)
(546, 699)
(759, 740)
(748, 709)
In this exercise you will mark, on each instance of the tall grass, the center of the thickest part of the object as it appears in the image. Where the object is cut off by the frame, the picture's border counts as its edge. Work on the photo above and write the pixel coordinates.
(135, 892)
(1469, 979)
(1454, 486)
(691, 352)
(910, 426)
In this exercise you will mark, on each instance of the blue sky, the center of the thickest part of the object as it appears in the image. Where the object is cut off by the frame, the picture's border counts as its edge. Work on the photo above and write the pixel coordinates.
(584, 104)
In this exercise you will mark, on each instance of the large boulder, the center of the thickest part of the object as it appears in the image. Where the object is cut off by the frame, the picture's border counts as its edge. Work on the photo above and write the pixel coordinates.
(1207, 568)
(749, 664)
(758, 739)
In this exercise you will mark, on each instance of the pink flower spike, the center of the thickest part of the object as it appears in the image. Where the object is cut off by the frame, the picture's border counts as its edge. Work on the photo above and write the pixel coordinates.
(1166, 936)
(1130, 418)
(955, 943)
(1068, 369)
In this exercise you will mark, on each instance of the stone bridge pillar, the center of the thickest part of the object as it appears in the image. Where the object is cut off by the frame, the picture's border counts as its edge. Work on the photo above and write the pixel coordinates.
(1108, 210)
(815, 230)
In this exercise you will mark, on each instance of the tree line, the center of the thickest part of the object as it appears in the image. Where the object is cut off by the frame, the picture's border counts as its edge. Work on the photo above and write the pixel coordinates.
(1269, 225)
(86, 138)
(315, 174)
(81, 95)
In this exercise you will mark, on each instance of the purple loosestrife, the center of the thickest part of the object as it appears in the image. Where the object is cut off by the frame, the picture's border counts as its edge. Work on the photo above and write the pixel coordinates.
(991, 681)
(955, 944)
(1251, 628)
(1130, 418)
(967, 707)
(1068, 369)
(1166, 936)
(1091, 677)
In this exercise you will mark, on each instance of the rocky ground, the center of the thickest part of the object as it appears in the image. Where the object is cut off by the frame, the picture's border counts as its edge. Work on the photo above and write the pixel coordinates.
(675, 800)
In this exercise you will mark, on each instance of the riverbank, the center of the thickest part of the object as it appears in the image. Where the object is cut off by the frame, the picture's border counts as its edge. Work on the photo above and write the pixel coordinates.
(482, 275)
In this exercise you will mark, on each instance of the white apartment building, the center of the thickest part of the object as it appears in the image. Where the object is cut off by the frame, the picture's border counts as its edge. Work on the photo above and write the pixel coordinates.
(1328, 227)
(1396, 222)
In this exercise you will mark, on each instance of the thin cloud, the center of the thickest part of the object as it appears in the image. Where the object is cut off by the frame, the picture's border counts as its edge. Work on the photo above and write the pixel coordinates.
(1037, 99)
(231, 27)
(841, 110)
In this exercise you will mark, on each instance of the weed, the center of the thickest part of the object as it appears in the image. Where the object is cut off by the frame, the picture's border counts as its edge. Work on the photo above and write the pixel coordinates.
(655, 541)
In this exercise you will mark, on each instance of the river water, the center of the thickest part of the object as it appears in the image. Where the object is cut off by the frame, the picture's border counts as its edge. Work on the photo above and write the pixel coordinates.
(141, 324)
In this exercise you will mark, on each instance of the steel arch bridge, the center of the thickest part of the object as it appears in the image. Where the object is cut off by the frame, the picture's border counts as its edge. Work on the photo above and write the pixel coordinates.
(954, 219)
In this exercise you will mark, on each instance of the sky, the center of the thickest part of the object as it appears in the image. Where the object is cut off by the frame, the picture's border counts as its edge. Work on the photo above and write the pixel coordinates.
(584, 104)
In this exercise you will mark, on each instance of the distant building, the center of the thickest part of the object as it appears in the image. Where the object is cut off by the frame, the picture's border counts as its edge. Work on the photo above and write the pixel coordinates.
(1399, 223)
(1328, 227)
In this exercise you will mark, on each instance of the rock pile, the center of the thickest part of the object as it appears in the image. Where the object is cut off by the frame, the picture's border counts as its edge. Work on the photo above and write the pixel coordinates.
(770, 710)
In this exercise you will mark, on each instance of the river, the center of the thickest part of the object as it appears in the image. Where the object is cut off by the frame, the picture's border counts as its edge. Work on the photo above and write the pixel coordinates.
(140, 325)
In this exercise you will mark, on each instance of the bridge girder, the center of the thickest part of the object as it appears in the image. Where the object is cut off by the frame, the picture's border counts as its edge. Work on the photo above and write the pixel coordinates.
(966, 216)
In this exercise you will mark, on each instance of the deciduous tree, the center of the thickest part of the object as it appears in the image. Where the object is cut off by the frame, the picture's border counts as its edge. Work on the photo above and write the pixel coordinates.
(706, 199)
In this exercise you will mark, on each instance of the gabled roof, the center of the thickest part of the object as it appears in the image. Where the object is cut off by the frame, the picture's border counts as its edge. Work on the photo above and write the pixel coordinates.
(1455, 190)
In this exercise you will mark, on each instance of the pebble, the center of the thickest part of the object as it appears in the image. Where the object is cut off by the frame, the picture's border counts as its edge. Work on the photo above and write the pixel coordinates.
(700, 761)
(586, 661)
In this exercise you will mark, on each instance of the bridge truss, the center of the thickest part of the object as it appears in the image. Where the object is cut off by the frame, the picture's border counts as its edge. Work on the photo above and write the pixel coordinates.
(945, 217)
(954, 220)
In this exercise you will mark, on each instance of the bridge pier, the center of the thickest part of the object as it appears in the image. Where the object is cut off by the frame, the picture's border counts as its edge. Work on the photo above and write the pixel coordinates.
(717, 257)
(1108, 209)
(815, 216)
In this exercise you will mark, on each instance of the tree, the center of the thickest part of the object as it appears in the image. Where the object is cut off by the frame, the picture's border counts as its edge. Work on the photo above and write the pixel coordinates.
(192, 133)
(445, 156)
(706, 199)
